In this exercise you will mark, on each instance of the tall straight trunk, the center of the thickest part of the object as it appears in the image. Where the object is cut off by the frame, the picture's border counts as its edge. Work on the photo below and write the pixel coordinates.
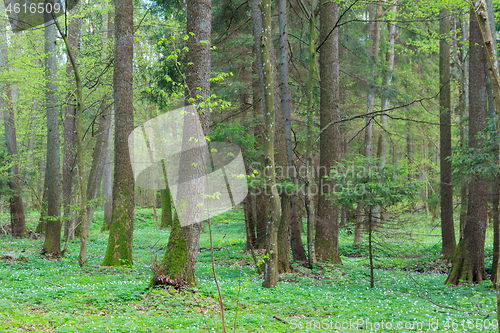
(262, 200)
(327, 223)
(374, 36)
(309, 200)
(119, 250)
(468, 261)
(17, 220)
(386, 100)
(101, 149)
(166, 208)
(182, 248)
(461, 59)
(107, 184)
(447, 227)
(281, 161)
(271, 261)
(292, 224)
(52, 244)
(70, 134)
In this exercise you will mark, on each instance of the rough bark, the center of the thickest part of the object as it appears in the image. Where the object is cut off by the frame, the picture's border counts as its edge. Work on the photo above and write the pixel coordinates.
(271, 262)
(327, 223)
(17, 220)
(107, 184)
(52, 243)
(447, 226)
(468, 261)
(287, 198)
(119, 250)
(69, 152)
(98, 159)
(183, 242)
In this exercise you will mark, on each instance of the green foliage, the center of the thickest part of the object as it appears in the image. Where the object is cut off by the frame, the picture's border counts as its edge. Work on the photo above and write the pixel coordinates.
(57, 295)
(362, 181)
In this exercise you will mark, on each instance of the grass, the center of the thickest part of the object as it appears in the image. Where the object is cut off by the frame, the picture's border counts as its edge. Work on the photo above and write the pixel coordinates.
(41, 295)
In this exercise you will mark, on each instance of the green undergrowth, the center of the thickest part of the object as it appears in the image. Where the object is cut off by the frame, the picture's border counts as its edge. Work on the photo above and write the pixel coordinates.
(42, 295)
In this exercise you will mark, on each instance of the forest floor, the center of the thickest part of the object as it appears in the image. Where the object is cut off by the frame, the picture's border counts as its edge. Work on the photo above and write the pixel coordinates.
(56, 295)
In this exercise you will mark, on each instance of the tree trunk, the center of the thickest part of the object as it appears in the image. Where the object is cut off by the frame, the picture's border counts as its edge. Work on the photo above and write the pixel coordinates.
(101, 149)
(119, 250)
(52, 244)
(166, 208)
(309, 200)
(107, 184)
(327, 223)
(281, 162)
(70, 135)
(271, 261)
(296, 243)
(17, 220)
(468, 261)
(182, 249)
(447, 227)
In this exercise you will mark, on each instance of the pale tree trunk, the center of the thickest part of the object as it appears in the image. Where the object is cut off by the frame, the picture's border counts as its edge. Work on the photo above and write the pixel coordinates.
(108, 167)
(386, 100)
(374, 35)
(468, 261)
(52, 244)
(309, 200)
(386, 103)
(447, 227)
(119, 250)
(70, 134)
(327, 223)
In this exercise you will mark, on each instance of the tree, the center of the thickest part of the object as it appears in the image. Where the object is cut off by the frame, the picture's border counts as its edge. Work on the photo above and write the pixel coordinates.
(52, 243)
(17, 220)
(327, 228)
(70, 134)
(468, 260)
(119, 250)
(447, 227)
(271, 261)
(178, 263)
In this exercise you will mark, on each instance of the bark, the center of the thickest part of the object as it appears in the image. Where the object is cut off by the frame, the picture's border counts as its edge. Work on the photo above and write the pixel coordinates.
(447, 227)
(281, 162)
(271, 261)
(374, 35)
(309, 200)
(293, 237)
(468, 261)
(327, 223)
(52, 244)
(183, 242)
(17, 220)
(107, 184)
(166, 208)
(262, 200)
(463, 105)
(70, 135)
(101, 149)
(119, 250)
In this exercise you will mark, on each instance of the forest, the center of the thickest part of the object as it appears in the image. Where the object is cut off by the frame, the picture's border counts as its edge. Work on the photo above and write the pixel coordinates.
(249, 166)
